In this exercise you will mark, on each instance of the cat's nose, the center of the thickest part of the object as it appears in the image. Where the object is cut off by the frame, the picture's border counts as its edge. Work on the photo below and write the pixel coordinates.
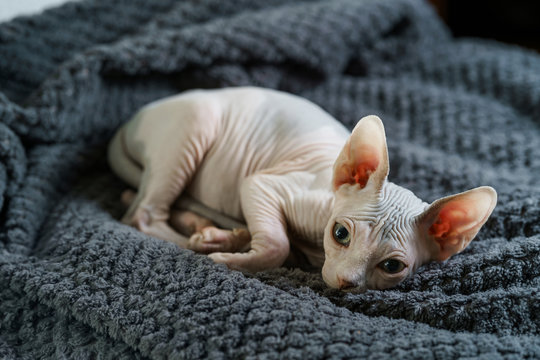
(344, 284)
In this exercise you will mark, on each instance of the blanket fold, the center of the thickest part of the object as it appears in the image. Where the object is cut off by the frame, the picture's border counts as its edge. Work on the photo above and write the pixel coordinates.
(75, 283)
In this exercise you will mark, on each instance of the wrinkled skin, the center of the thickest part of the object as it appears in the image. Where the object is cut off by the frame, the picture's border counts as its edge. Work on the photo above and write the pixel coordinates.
(295, 176)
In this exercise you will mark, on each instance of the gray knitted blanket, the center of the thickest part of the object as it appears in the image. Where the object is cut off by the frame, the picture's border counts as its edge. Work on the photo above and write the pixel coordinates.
(75, 283)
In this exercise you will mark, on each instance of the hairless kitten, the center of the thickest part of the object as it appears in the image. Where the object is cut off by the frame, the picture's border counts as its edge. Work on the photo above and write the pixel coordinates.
(295, 176)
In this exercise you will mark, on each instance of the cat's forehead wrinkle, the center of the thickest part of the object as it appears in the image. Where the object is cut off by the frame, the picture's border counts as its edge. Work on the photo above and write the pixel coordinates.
(397, 208)
(395, 200)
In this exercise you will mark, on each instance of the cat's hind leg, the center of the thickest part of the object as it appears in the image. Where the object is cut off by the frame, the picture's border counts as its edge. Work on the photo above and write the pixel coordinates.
(158, 152)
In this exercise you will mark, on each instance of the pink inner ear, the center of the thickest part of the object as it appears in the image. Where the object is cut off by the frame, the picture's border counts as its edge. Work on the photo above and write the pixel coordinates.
(449, 221)
(364, 163)
(364, 170)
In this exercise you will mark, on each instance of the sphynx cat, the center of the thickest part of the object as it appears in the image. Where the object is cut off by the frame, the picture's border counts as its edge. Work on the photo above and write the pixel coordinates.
(296, 176)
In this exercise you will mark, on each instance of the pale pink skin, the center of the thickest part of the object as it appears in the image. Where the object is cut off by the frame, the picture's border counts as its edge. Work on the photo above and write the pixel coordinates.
(290, 171)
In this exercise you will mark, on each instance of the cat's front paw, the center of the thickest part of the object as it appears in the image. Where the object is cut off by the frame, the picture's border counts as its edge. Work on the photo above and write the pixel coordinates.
(211, 239)
(256, 259)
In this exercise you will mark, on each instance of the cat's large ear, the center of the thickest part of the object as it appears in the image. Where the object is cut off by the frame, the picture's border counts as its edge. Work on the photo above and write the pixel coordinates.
(450, 223)
(364, 158)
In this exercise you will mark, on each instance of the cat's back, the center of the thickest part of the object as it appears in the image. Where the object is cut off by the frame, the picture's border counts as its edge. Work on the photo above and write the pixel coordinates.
(263, 130)
(250, 129)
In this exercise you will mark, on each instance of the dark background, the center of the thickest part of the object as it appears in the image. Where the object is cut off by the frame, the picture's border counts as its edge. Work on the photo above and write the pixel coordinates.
(510, 21)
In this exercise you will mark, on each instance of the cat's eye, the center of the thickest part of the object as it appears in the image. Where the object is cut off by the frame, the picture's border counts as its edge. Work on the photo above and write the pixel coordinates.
(341, 235)
(392, 266)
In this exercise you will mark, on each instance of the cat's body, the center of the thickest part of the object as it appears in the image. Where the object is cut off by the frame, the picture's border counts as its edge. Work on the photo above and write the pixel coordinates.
(248, 131)
(269, 159)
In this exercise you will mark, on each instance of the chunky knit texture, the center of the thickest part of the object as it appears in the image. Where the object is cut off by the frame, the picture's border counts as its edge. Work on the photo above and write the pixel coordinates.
(75, 283)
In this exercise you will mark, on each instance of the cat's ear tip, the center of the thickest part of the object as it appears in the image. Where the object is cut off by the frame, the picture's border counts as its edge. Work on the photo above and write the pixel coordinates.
(374, 119)
(489, 195)
(372, 125)
(488, 190)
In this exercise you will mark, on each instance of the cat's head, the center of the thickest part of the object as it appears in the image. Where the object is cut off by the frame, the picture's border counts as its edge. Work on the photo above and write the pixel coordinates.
(379, 233)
